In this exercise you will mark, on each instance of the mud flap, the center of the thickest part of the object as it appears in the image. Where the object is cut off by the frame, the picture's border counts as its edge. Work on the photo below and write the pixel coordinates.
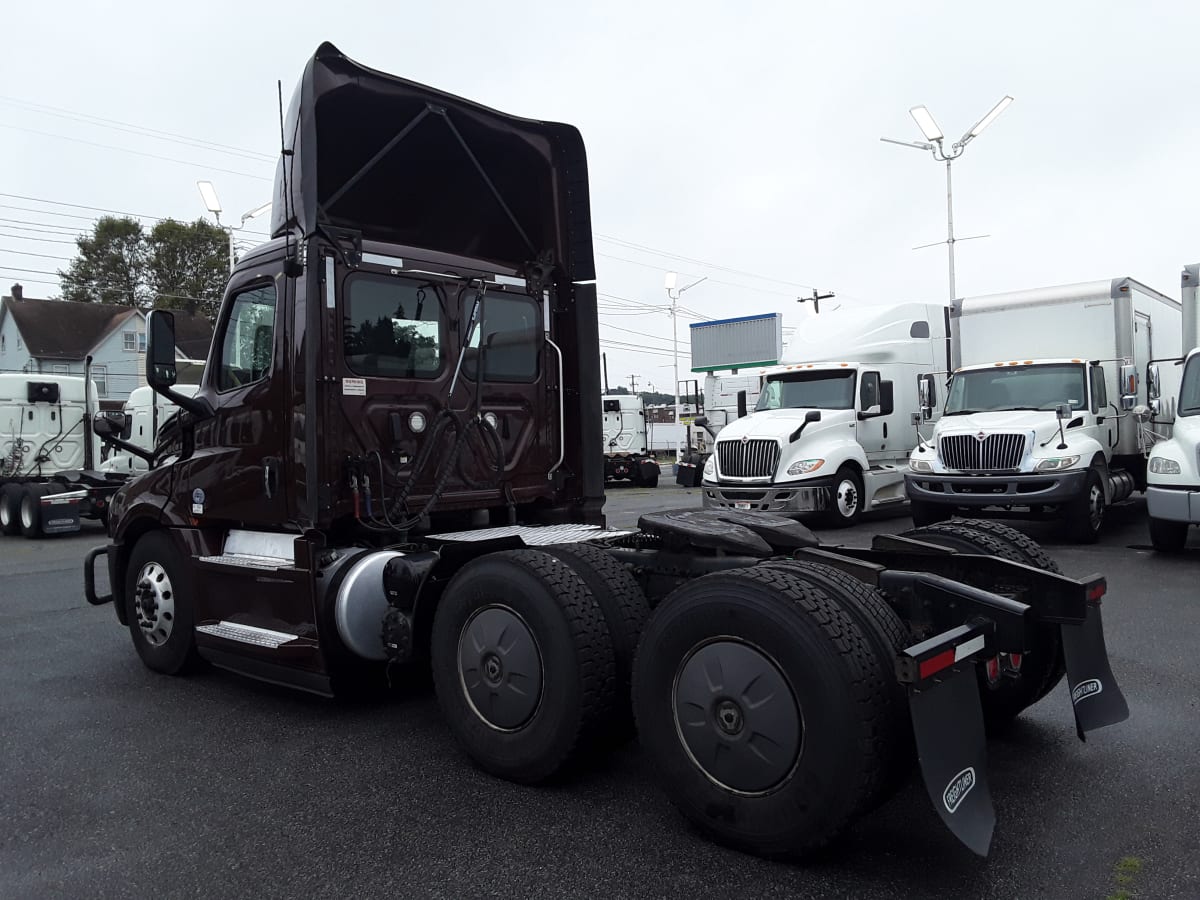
(948, 722)
(1095, 696)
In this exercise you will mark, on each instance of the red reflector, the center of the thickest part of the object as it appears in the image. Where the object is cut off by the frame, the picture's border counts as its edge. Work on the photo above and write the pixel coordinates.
(993, 669)
(1015, 659)
(934, 664)
(1096, 590)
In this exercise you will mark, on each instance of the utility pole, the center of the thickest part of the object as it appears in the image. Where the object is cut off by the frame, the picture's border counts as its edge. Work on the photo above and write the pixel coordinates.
(633, 385)
(604, 357)
(672, 293)
(816, 299)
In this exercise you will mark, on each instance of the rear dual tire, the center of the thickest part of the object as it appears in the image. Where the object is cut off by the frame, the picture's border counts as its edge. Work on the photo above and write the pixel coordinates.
(758, 699)
(10, 509)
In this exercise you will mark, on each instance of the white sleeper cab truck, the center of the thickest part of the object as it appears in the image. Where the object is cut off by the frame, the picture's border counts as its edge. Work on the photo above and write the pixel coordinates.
(627, 455)
(1173, 474)
(1038, 420)
(49, 454)
(144, 414)
(834, 423)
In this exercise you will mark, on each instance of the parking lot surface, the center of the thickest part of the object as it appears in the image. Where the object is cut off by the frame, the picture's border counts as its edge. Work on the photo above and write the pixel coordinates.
(118, 782)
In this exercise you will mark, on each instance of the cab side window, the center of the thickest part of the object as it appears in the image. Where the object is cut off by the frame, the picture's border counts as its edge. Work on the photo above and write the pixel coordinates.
(868, 390)
(248, 340)
(1099, 391)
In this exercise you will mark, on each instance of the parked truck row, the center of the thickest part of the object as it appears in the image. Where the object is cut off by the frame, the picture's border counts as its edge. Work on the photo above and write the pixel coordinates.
(394, 459)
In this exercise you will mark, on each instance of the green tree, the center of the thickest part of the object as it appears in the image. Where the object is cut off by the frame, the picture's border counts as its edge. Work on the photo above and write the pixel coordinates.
(111, 265)
(187, 265)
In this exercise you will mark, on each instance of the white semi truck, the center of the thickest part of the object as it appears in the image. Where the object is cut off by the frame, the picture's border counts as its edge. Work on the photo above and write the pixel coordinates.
(833, 426)
(1173, 473)
(144, 413)
(1038, 418)
(627, 455)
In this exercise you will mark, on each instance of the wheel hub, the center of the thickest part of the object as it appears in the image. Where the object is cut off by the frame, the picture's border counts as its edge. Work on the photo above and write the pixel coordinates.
(154, 604)
(737, 716)
(847, 498)
(500, 667)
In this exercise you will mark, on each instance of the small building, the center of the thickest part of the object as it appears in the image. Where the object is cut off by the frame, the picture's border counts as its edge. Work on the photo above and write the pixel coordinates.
(55, 337)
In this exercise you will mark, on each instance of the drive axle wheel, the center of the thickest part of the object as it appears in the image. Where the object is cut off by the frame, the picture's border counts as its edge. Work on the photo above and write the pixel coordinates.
(159, 606)
(10, 509)
(1045, 664)
(522, 663)
(756, 700)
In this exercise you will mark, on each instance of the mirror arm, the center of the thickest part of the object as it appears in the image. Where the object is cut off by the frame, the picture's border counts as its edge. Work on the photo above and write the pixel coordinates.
(197, 406)
(137, 451)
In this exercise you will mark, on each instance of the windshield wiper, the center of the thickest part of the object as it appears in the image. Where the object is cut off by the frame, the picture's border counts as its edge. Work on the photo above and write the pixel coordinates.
(962, 412)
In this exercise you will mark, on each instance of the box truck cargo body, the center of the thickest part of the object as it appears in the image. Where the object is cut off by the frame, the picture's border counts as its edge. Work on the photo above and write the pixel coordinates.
(1039, 411)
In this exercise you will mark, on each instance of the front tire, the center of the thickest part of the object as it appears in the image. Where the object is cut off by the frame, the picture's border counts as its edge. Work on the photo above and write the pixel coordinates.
(1167, 536)
(1085, 516)
(522, 664)
(845, 499)
(927, 513)
(159, 606)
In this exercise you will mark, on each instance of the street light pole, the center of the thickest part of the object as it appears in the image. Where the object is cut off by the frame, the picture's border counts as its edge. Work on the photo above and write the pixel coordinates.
(934, 144)
(673, 294)
(209, 194)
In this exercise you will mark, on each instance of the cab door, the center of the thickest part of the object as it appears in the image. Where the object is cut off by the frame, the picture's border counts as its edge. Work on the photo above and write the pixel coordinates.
(873, 432)
(235, 476)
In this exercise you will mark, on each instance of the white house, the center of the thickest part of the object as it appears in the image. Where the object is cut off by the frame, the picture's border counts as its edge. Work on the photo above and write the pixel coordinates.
(55, 337)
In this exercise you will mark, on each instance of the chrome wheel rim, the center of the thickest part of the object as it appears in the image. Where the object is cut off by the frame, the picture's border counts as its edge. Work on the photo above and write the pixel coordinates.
(737, 717)
(847, 498)
(500, 668)
(154, 604)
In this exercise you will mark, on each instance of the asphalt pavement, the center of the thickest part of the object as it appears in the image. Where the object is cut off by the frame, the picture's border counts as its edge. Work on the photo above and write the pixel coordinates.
(118, 782)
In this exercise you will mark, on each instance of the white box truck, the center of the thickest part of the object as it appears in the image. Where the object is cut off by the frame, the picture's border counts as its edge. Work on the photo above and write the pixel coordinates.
(627, 455)
(1173, 473)
(833, 426)
(1038, 418)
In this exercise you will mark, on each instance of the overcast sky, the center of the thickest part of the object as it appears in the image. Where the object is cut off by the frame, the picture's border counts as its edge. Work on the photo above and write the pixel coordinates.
(745, 136)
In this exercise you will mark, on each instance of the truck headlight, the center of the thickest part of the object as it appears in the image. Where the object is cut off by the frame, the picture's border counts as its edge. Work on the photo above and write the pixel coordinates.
(920, 465)
(1160, 465)
(710, 467)
(1056, 463)
(804, 466)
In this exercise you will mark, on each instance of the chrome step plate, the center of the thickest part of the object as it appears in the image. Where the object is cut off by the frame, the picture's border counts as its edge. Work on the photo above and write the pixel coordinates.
(266, 563)
(533, 535)
(247, 634)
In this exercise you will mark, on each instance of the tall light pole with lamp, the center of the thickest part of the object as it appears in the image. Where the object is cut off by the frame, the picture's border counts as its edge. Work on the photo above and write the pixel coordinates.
(672, 292)
(209, 194)
(933, 143)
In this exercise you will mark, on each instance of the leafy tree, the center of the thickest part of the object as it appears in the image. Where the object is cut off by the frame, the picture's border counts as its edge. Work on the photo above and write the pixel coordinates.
(176, 265)
(111, 265)
(187, 265)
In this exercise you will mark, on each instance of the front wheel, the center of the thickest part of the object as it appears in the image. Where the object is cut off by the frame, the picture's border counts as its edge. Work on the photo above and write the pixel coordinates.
(158, 598)
(1085, 515)
(927, 513)
(1167, 536)
(845, 499)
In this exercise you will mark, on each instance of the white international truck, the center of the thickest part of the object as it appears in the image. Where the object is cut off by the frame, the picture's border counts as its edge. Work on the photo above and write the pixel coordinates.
(144, 413)
(834, 423)
(627, 455)
(1038, 418)
(1173, 473)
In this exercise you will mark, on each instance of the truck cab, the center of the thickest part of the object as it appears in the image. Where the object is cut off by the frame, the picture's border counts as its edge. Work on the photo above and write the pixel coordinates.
(1024, 433)
(1173, 474)
(627, 455)
(831, 436)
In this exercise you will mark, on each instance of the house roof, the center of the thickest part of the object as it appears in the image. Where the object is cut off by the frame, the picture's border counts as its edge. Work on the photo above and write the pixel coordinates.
(62, 329)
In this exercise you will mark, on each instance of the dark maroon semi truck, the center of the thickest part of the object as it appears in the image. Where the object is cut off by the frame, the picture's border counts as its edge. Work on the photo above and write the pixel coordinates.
(394, 460)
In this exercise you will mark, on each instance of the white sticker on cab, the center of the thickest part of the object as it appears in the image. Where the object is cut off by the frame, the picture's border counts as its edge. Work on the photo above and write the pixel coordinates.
(354, 387)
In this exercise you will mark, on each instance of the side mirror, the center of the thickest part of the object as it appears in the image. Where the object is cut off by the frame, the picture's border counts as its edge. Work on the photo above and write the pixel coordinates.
(927, 394)
(886, 398)
(1129, 386)
(813, 415)
(1153, 382)
(108, 425)
(700, 420)
(160, 350)
(1063, 411)
(741, 404)
(1155, 407)
(161, 374)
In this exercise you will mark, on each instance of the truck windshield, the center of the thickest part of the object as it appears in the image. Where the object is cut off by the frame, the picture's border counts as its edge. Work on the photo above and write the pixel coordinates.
(1017, 387)
(808, 390)
(1189, 391)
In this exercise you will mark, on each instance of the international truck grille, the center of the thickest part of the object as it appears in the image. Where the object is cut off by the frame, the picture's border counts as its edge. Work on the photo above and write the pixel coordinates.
(748, 459)
(995, 453)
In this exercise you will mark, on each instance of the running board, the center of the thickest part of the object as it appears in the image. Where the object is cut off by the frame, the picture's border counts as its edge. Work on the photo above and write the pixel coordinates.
(245, 561)
(248, 634)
